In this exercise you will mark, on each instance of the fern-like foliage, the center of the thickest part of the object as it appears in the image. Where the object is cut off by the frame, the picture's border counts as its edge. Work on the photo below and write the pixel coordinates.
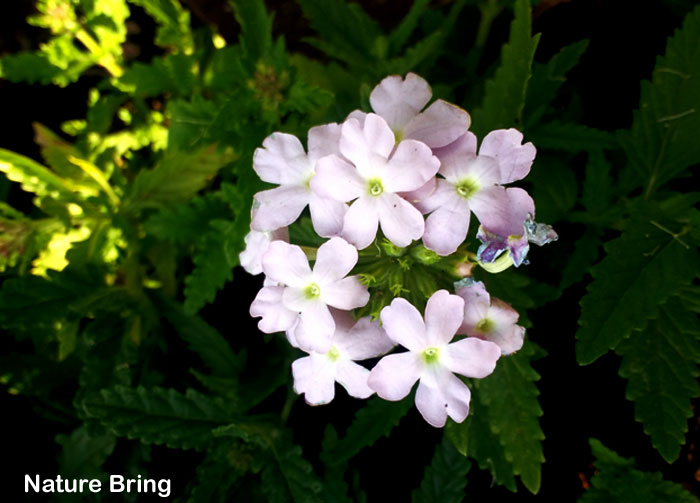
(446, 477)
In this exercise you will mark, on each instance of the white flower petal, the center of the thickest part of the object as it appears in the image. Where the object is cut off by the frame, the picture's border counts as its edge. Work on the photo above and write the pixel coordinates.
(439, 125)
(275, 316)
(366, 146)
(282, 160)
(286, 264)
(446, 228)
(366, 339)
(334, 260)
(444, 313)
(401, 222)
(315, 328)
(279, 207)
(412, 165)
(476, 306)
(327, 215)
(337, 179)
(514, 159)
(314, 376)
(394, 375)
(399, 100)
(353, 378)
(440, 394)
(404, 325)
(323, 140)
(347, 293)
(471, 357)
(361, 222)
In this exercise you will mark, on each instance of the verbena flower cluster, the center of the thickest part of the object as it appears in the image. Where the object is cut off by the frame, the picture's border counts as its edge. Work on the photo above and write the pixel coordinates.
(373, 180)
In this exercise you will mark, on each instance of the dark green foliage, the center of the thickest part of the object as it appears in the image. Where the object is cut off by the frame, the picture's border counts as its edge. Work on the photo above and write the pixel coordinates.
(642, 269)
(372, 422)
(505, 93)
(445, 478)
(618, 481)
(157, 415)
(661, 368)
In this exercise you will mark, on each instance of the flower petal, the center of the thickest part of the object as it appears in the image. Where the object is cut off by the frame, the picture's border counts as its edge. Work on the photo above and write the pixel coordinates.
(471, 357)
(440, 394)
(444, 313)
(401, 222)
(353, 378)
(361, 222)
(275, 316)
(447, 227)
(492, 205)
(476, 306)
(314, 376)
(282, 160)
(286, 264)
(337, 179)
(412, 165)
(366, 339)
(348, 293)
(327, 215)
(323, 140)
(520, 206)
(365, 145)
(404, 325)
(439, 125)
(394, 375)
(279, 207)
(334, 260)
(399, 100)
(315, 328)
(514, 159)
(464, 146)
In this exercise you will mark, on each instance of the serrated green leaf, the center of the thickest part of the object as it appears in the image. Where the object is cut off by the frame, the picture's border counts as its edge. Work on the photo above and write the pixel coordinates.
(174, 74)
(458, 434)
(510, 394)
(190, 122)
(182, 223)
(642, 269)
(446, 477)
(580, 261)
(173, 23)
(662, 142)
(571, 137)
(292, 479)
(158, 416)
(336, 488)
(485, 446)
(83, 454)
(548, 78)
(597, 184)
(30, 67)
(554, 187)
(373, 421)
(618, 481)
(256, 28)
(176, 178)
(400, 35)
(214, 260)
(661, 368)
(201, 338)
(347, 32)
(505, 93)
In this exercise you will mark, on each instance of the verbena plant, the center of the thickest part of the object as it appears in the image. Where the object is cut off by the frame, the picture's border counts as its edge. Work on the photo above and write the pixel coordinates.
(140, 218)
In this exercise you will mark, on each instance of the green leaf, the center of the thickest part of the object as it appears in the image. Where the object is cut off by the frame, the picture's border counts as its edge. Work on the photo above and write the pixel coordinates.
(662, 142)
(510, 394)
(30, 67)
(458, 434)
(571, 137)
(347, 32)
(214, 260)
(548, 78)
(579, 262)
(505, 92)
(661, 368)
(177, 177)
(554, 187)
(400, 35)
(182, 223)
(597, 183)
(336, 489)
(157, 415)
(173, 23)
(190, 122)
(83, 454)
(173, 74)
(373, 421)
(642, 269)
(201, 338)
(256, 28)
(616, 480)
(484, 445)
(446, 477)
(292, 478)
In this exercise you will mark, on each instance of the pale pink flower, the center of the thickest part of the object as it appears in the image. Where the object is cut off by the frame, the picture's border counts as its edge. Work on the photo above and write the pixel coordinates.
(473, 183)
(431, 358)
(309, 292)
(315, 375)
(490, 319)
(379, 171)
(282, 161)
(256, 244)
(400, 101)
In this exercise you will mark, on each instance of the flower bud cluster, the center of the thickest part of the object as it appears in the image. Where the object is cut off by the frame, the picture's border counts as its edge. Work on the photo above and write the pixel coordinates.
(405, 178)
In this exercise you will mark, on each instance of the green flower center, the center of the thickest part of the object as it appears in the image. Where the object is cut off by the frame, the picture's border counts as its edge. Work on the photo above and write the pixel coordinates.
(313, 291)
(485, 326)
(375, 187)
(333, 354)
(431, 355)
(466, 188)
